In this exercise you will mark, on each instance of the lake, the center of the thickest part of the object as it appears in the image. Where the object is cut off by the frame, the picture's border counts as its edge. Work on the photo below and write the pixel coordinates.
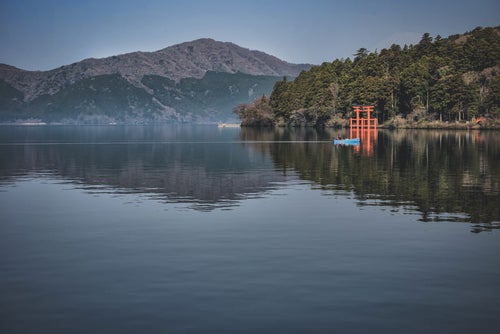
(196, 229)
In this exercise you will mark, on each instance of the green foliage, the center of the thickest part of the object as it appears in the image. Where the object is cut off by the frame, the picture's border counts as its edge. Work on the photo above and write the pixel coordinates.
(454, 78)
(211, 97)
(492, 102)
(11, 100)
(257, 113)
(112, 98)
(96, 100)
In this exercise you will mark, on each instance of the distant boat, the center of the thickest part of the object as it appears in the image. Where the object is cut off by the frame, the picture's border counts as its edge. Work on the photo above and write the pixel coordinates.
(347, 141)
(228, 125)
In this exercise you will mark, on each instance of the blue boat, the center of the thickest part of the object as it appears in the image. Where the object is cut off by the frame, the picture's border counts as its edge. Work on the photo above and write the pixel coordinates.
(348, 141)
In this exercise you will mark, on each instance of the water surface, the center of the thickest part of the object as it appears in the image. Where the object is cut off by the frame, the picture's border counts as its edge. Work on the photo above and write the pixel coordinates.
(198, 229)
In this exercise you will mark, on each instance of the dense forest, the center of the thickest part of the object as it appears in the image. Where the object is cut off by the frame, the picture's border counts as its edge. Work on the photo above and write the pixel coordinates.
(454, 79)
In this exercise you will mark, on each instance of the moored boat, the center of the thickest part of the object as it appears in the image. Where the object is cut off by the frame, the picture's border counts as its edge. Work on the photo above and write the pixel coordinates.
(347, 141)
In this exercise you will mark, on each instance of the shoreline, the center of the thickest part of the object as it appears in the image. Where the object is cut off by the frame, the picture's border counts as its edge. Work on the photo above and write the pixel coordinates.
(438, 125)
(492, 124)
(434, 125)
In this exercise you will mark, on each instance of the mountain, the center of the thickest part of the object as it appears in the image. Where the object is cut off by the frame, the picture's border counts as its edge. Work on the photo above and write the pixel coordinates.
(193, 81)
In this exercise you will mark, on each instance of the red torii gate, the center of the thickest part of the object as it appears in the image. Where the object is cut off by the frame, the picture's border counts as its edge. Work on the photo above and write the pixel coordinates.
(364, 127)
(363, 122)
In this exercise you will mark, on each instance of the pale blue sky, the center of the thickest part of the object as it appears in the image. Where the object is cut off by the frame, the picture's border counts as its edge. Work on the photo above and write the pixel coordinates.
(45, 34)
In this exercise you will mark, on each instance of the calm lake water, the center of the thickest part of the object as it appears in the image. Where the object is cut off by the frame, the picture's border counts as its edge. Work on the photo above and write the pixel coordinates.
(195, 229)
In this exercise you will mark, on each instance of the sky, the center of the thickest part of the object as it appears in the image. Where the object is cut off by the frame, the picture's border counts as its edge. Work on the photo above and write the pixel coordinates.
(46, 34)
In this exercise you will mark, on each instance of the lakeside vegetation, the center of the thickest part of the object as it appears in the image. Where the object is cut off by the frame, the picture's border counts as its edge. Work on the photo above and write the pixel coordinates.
(451, 82)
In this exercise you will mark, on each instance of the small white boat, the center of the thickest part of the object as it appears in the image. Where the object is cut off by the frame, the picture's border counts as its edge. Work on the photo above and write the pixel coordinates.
(228, 125)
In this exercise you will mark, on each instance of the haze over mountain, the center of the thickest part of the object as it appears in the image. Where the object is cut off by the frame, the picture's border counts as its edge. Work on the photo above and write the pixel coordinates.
(194, 81)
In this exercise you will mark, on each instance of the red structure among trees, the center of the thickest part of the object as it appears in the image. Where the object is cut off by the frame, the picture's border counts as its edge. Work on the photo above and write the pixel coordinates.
(363, 119)
(364, 126)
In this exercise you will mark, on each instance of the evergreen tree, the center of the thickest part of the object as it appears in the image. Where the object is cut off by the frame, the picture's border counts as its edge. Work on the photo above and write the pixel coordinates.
(454, 78)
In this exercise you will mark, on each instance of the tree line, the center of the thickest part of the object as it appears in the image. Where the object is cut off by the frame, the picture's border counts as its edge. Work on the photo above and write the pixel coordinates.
(448, 79)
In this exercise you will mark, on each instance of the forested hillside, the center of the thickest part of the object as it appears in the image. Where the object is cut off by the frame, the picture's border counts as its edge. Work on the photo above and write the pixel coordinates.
(448, 79)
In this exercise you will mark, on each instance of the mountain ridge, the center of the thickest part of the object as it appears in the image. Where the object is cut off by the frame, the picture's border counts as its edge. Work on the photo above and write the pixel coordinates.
(185, 60)
(191, 81)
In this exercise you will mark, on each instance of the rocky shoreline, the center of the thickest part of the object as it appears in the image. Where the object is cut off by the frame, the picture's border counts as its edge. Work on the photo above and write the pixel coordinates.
(489, 124)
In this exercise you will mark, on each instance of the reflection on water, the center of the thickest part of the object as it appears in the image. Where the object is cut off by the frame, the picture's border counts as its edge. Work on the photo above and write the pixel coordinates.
(451, 176)
(200, 230)
(199, 165)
